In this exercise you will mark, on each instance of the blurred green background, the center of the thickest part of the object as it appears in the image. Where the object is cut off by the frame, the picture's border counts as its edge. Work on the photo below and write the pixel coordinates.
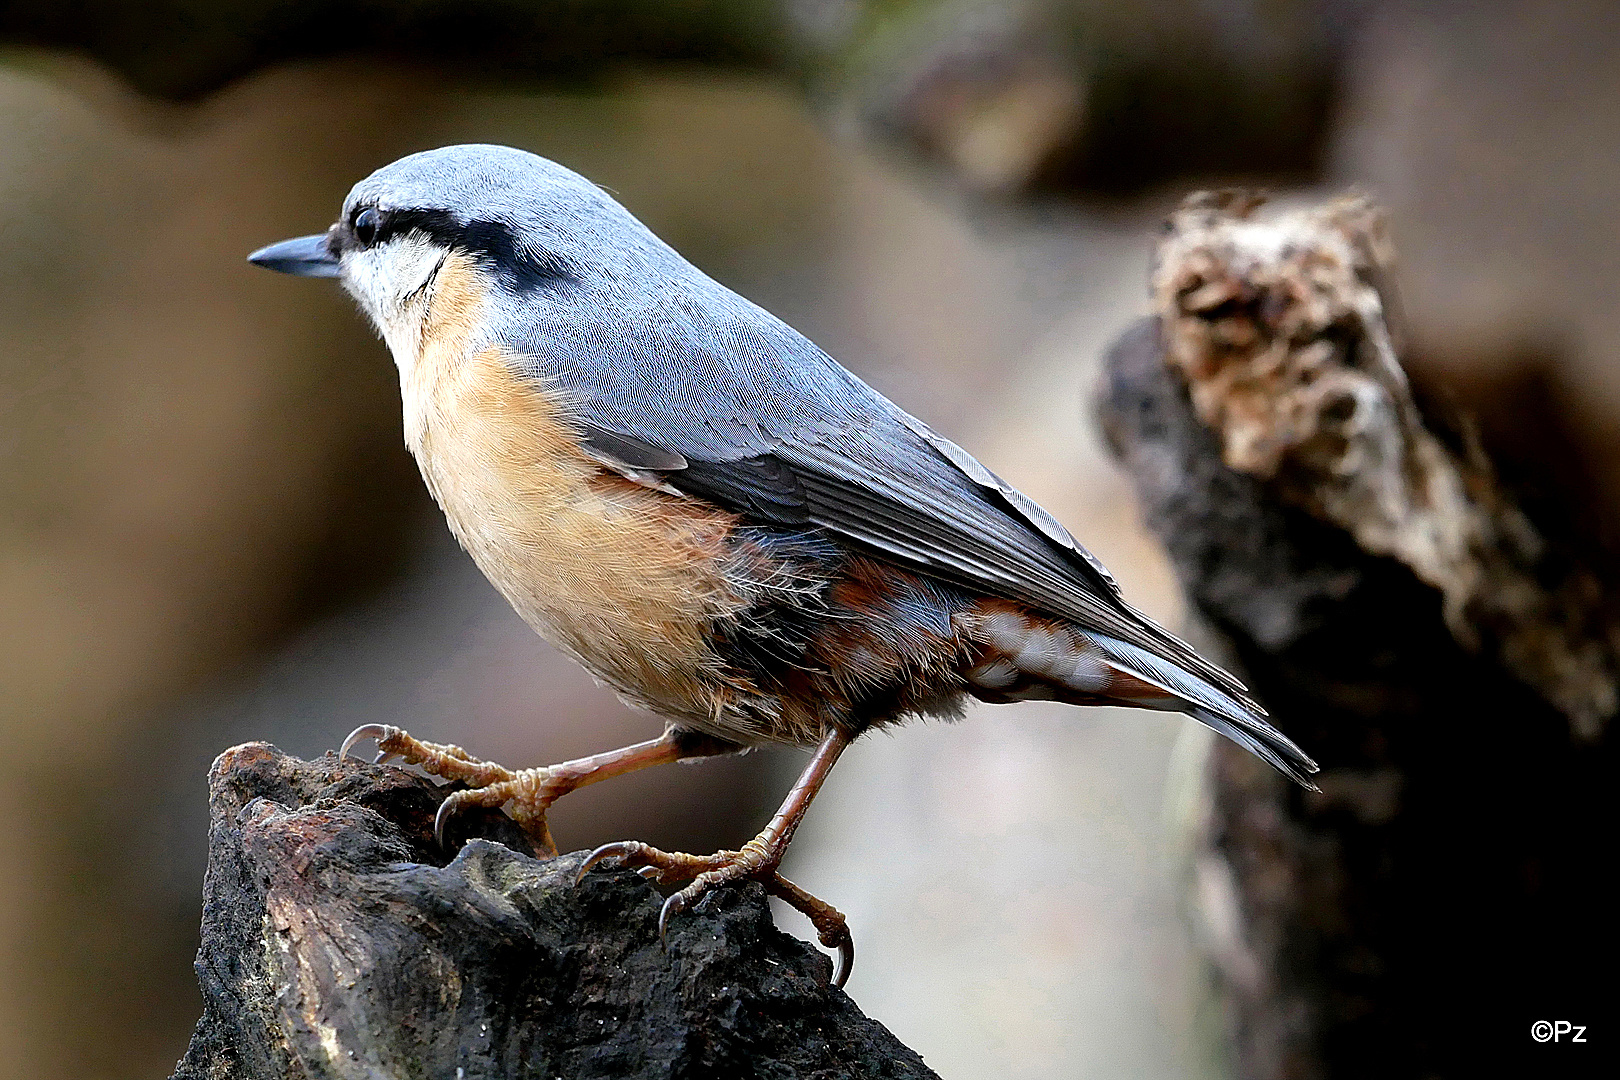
(210, 530)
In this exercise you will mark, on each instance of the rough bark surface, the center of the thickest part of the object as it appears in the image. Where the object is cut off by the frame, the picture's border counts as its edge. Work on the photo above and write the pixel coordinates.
(1443, 891)
(338, 942)
(1277, 323)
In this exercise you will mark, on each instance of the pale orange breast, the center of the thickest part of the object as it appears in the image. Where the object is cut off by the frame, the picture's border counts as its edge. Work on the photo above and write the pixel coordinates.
(625, 578)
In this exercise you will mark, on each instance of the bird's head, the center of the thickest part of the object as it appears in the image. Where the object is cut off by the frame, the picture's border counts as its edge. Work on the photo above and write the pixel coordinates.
(531, 231)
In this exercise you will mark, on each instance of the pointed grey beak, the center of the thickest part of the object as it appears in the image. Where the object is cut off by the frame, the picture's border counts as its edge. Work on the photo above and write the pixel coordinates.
(307, 256)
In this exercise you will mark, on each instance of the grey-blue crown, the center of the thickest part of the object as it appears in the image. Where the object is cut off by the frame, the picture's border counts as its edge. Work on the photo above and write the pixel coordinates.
(532, 217)
(478, 181)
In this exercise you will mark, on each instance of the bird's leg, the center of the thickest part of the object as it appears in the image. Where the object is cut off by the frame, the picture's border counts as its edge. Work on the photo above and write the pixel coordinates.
(526, 793)
(757, 859)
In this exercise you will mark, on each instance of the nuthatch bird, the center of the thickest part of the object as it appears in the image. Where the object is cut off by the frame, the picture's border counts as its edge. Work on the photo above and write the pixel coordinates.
(708, 512)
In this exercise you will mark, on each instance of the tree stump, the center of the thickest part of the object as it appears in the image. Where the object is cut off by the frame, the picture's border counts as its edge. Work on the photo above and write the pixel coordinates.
(1449, 664)
(338, 941)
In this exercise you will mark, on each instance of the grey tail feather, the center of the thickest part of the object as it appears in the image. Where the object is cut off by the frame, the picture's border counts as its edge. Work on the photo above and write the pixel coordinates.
(1178, 652)
(1244, 724)
(1265, 742)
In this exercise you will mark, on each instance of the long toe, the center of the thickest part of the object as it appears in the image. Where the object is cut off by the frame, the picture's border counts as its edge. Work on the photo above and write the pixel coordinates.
(664, 867)
(457, 801)
(705, 872)
(527, 796)
(732, 866)
(440, 759)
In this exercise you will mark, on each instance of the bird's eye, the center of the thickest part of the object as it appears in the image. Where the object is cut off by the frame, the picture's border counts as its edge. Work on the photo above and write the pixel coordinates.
(365, 225)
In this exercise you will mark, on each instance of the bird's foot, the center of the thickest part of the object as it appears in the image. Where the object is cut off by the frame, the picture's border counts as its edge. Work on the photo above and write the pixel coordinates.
(756, 860)
(527, 794)
(832, 929)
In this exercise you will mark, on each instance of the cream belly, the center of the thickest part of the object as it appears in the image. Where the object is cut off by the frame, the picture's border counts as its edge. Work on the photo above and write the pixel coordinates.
(626, 579)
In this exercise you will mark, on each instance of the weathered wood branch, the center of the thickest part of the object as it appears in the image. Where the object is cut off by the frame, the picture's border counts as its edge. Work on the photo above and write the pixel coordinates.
(1407, 622)
(338, 942)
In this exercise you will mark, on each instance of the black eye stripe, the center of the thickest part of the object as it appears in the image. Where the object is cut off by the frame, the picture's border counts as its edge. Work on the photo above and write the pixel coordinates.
(491, 242)
(371, 225)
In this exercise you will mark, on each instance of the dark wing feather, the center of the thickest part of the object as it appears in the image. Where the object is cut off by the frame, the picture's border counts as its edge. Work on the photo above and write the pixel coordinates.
(625, 452)
(761, 488)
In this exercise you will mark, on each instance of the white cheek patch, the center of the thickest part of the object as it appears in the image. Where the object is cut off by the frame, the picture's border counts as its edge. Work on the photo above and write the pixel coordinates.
(392, 282)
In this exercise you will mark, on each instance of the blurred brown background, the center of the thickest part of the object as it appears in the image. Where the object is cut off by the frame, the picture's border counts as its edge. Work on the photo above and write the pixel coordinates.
(210, 531)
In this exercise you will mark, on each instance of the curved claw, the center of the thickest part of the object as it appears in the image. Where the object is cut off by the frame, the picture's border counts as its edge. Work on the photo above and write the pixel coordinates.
(446, 811)
(846, 960)
(674, 905)
(377, 732)
(384, 757)
(620, 849)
